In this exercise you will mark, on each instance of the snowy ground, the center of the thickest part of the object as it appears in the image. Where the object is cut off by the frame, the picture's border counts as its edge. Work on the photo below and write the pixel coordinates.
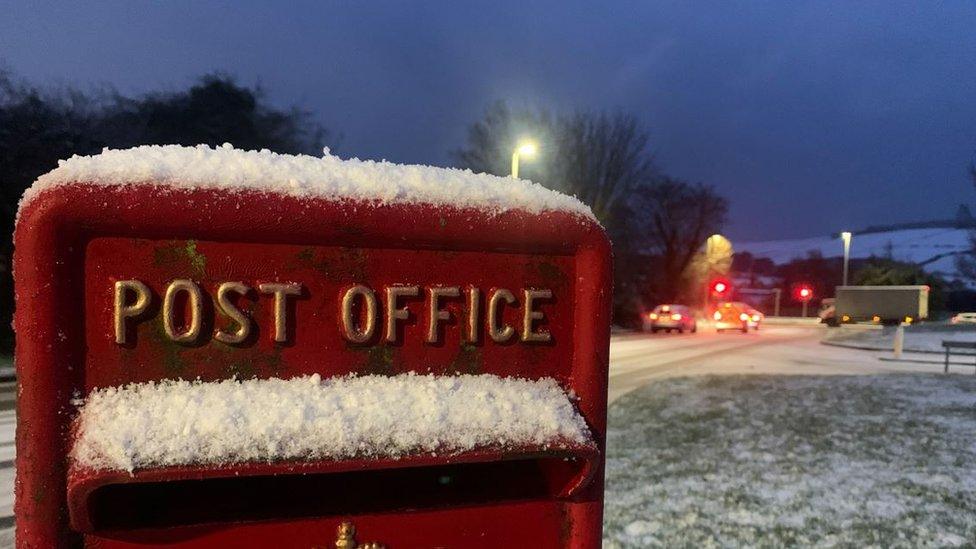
(851, 447)
(794, 460)
(924, 338)
(817, 446)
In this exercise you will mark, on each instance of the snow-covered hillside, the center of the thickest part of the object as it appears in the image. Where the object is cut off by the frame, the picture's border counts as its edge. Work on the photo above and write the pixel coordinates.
(938, 246)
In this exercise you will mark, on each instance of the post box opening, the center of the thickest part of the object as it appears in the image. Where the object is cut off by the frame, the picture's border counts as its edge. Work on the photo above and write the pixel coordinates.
(116, 502)
(441, 440)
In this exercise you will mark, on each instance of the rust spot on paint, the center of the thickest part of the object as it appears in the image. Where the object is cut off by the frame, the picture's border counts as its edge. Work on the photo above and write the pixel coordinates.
(379, 361)
(467, 361)
(551, 274)
(181, 255)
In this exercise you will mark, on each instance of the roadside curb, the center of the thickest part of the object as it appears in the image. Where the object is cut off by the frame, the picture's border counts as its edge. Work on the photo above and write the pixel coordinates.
(921, 361)
(861, 347)
(807, 322)
(888, 349)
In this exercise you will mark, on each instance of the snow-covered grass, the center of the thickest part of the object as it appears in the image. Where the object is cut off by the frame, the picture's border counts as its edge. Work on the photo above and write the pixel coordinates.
(923, 338)
(774, 461)
(180, 423)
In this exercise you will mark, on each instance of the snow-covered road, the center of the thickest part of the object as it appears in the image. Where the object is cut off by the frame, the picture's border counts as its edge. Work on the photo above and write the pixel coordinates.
(635, 360)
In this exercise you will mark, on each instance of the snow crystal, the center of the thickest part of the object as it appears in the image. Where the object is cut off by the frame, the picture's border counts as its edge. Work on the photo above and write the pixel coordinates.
(180, 422)
(304, 176)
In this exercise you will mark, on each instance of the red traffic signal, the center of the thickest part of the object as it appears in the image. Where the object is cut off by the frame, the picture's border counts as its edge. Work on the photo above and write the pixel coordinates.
(804, 292)
(720, 288)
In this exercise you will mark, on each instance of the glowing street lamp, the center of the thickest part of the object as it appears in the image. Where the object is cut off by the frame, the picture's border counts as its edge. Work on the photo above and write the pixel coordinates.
(846, 237)
(527, 148)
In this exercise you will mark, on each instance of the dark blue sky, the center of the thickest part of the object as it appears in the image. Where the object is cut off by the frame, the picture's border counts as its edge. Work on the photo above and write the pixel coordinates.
(810, 117)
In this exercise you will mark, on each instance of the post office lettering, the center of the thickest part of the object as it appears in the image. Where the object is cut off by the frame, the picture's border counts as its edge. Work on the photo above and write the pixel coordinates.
(365, 315)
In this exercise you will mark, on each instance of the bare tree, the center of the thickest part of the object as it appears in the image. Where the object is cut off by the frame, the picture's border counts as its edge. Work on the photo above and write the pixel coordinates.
(966, 262)
(602, 159)
(599, 158)
(656, 223)
(492, 139)
(674, 218)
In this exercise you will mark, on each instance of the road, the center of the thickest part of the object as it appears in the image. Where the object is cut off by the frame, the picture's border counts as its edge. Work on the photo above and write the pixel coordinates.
(638, 359)
(635, 360)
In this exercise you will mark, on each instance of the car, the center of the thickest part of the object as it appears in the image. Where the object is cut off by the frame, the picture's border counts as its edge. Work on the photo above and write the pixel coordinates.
(731, 316)
(755, 316)
(963, 318)
(670, 317)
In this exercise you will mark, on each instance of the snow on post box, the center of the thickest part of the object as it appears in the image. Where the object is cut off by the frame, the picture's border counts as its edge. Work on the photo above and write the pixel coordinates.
(227, 348)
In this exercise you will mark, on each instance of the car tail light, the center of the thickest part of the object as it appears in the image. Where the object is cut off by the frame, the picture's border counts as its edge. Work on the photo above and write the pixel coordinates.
(717, 315)
(743, 317)
(676, 316)
(652, 316)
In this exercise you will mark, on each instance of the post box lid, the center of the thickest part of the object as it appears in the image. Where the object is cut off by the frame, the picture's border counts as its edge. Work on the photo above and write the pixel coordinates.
(301, 176)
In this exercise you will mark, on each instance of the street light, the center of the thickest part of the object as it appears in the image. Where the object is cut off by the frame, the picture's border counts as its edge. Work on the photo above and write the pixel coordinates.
(527, 148)
(716, 259)
(846, 237)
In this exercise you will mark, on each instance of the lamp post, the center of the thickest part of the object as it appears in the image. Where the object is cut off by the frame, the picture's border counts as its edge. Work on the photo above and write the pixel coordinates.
(526, 148)
(846, 237)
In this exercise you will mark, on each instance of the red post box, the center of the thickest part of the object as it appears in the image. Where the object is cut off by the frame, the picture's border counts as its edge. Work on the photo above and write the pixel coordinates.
(242, 349)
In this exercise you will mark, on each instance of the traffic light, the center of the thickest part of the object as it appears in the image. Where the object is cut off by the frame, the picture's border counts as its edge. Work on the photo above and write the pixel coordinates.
(804, 292)
(720, 288)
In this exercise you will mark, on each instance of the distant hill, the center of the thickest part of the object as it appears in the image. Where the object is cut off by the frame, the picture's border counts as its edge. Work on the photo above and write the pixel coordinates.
(935, 248)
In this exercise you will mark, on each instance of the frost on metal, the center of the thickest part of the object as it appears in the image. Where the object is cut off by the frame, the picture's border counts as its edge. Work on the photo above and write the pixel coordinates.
(329, 177)
(182, 423)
